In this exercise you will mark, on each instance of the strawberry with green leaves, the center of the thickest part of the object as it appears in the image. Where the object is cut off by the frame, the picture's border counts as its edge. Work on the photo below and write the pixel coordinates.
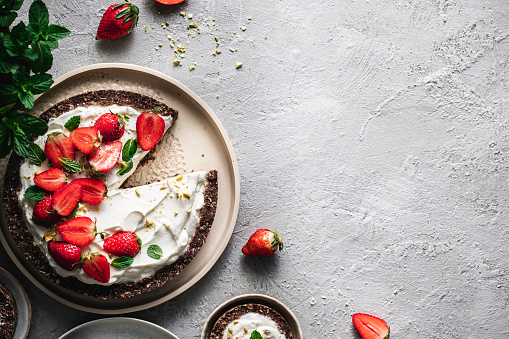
(263, 243)
(67, 256)
(122, 244)
(370, 327)
(97, 267)
(117, 21)
(111, 126)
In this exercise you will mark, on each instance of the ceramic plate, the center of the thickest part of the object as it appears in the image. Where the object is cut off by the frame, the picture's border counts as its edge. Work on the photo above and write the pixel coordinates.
(114, 328)
(253, 299)
(22, 303)
(203, 144)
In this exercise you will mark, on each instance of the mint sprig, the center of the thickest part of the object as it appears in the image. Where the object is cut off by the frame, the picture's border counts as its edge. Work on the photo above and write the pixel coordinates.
(35, 193)
(155, 252)
(255, 335)
(70, 165)
(73, 123)
(126, 169)
(122, 262)
(129, 149)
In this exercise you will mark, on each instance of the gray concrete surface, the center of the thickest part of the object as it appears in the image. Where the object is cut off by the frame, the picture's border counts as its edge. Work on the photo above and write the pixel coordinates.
(371, 134)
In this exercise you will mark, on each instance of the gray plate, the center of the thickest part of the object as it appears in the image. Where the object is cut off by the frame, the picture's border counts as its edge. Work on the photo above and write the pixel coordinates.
(22, 304)
(114, 328)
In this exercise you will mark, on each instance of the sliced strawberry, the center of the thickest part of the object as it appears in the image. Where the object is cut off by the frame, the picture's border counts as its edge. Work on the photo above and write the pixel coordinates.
(85, 139)
(111, 126)
(66, 255)
(106, 156)
(370, 327)
(122, 244)
(78, 231)
(43, 213)
(66, 198)
(150, 129)
(170, 2)
(94, 190)
(51, 180)
(97, 267)
(58, 146)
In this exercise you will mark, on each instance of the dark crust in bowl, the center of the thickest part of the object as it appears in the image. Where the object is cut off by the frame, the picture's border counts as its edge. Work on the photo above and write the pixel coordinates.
(24, 239)
(8, 312)
(238, 311)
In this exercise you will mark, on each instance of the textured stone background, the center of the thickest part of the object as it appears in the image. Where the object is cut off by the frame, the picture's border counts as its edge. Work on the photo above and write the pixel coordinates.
(371, 134)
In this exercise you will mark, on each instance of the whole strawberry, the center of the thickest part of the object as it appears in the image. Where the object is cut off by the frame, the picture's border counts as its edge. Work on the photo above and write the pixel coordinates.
(117, 21)
(263, 243)
(66, 255)
(122, 244)
(111, 126)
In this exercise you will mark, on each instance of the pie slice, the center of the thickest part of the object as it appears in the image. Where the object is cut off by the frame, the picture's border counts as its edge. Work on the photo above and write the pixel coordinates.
(169, 219)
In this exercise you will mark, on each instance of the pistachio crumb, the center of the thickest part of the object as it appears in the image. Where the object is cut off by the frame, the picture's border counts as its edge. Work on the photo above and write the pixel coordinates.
(245, 329)
(137, 190)
(179, 177)
(238, 64)
(230, 330)
(190, 16)
(191, 68)
(243, 28)
(235, 322)
(182, 13)
(188, 211)
(37, 172)
(176, 213)
(186, 195)
(218, 51)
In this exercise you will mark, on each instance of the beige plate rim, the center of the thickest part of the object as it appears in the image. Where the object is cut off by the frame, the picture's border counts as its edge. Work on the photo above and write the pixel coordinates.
(232, 214)
(253, 299)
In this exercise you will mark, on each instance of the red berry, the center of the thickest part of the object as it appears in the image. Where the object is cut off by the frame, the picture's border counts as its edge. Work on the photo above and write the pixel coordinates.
(150, 129)
(263, 243)
(122, 244)
(370, 327)
(170, 2)
(106, 156)
(97, 267)
(111, 126)
(51, 180)
(58, 146)
(94, 190)
(43, 213)
(66, 198)
(117, 21)
(85, 139)
(66, 255)
(78, 231)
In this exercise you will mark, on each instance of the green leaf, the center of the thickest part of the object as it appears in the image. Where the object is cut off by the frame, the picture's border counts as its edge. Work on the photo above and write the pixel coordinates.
(73, 123)
(126, 169)
(27, 99)
(30, 54)
(53, 44)
(74, 212)
(138, 240)
(8, 93)
(70, 165)
(16, 4)
(6, 109)
(10, 46)
(98, 174)
(6, 139)
(121, 122)
(7, 19)
(44, 57)
(155, 252)
(38, 15)
(36, 154)
(255, 335)
(7, 66)
(55, 32)
(35, 193)
(129, 149)
(41, 83)
(30, 124)
(122, 262)
(20, 143)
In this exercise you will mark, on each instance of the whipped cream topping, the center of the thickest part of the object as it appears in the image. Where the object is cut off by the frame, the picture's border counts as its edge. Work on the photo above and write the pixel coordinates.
(165, 213)
(246, 324)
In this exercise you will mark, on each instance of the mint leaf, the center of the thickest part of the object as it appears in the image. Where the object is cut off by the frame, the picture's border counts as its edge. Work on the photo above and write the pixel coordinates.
(122, 262)
(8, 92)
(74, 212)
(255, 335)
(44, 58)
(155, 252)
(41, 83)
(70, 166)
(35, 193)
(129, 149)
(20, 141)
(27, 99)
(36, 154)
(126, 169)
(7, 19)
(98, 174)
(7, 66)
(30, 124)
(38, 15)
(55, 32)
(6, 108)
(73, 123)
(52, 44)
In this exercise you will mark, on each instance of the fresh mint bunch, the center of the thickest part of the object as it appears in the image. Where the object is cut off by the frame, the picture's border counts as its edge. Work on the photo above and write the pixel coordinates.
(25, 57)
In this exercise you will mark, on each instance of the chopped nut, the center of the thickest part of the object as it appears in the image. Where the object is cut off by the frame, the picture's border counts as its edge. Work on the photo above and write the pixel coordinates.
(186, 195)
(243, 28)
(137, 190)
(190, 16)
(176, 213)
(191, 68)
(149, 223)
(193, 25)
(218, 51)
(182, 13)
(231, 49)
(245, 329)
(188, 211)
(179, 177)
(230, 330)
(238, 64)
(235, 322)
(37, 172)
(26, 177)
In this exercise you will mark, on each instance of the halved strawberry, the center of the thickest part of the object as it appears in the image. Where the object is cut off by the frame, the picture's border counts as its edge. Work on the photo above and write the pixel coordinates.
(111, 126)
(150, 129)
(43, 213)
(97, 267)
(51, 180)
(94, 190)
(66, 198)
(58, 146)
(370, 327)
(122, 244)
(85, 139)
(78, 231)
(66, 255)
(106, 156)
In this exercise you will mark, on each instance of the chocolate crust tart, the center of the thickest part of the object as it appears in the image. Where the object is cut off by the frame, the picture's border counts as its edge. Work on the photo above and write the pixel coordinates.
(236, 312)
(8, 313)
(25, 241)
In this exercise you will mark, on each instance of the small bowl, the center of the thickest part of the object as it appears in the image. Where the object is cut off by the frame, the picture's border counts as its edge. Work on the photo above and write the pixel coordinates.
(22, 304)
(253, 299)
